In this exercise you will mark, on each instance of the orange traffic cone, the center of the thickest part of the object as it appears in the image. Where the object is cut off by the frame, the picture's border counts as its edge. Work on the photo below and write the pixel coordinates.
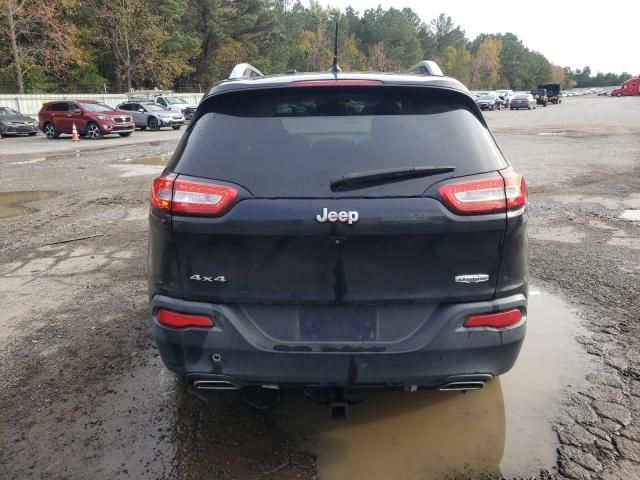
(74, 134)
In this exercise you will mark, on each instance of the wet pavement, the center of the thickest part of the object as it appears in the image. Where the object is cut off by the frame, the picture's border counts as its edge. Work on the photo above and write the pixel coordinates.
(161, 159)
(39, 146)
(83, 393)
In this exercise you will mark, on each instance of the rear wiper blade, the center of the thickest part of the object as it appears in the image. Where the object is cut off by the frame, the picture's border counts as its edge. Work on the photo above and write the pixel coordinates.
(355, 180)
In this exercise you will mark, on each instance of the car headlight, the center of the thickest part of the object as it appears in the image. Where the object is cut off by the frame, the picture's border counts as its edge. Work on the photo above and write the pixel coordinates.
(103, 117)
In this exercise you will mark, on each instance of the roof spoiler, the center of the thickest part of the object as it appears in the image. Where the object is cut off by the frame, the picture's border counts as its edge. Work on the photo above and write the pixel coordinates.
(426, 67)
(244, 70)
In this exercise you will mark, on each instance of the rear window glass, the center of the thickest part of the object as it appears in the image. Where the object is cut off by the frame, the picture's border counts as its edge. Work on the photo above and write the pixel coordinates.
(295, 141)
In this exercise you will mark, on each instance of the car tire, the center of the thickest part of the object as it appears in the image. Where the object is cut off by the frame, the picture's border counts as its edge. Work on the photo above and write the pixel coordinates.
(153, 124)
(93, 131)
(618, 95)
(125, 134)
(176, 127)
(512, 108)
(50, 131)
(530, 108)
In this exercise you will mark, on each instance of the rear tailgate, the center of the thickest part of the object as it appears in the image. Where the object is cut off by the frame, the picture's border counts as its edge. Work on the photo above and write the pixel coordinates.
(399, 250)
(284, 147)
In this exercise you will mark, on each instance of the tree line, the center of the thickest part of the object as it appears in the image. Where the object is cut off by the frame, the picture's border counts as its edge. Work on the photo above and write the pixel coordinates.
(584, 78)
(117, 45)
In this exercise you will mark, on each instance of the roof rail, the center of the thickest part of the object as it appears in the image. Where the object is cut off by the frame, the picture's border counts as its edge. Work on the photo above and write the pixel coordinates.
(244, 70)
(426, 67)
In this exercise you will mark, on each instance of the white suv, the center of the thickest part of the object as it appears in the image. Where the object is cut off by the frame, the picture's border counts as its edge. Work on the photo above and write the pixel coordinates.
(176, 104)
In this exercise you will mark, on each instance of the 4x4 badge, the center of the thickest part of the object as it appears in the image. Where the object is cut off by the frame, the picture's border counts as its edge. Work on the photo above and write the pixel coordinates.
(203, 278)
(344, 216)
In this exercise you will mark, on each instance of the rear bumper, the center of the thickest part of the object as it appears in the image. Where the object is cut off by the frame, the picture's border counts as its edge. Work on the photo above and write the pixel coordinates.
(441, 348)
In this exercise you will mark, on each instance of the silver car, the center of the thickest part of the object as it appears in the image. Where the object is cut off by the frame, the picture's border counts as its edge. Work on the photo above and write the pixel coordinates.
(523, 100)
(147, 114)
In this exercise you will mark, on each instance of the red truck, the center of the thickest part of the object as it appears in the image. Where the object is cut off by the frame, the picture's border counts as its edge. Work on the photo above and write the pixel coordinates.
(628, 88)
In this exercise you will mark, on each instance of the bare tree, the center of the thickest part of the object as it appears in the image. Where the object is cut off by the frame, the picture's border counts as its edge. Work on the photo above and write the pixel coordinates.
(12, 10)
(378, 59)
(38, 36)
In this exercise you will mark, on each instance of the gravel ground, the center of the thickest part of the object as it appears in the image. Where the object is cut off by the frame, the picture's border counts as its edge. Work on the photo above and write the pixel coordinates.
(84, 395)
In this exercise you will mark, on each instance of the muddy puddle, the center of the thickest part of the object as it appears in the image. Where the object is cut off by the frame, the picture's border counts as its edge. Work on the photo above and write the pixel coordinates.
(15, 203)
(146, 165)
(504, 429)
(161, 159)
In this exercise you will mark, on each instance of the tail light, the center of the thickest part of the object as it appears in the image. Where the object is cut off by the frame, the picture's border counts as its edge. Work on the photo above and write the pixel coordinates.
(504, 191)
(172, 319)
(188, 196)
(162, 191)
(515, 189)
(502, 319)
(201, 198)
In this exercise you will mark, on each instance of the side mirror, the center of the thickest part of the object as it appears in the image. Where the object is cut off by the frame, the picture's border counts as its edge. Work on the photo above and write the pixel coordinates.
(141, 110)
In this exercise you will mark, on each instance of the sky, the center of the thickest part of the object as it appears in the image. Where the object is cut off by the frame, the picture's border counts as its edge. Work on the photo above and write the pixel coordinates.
(575, 35)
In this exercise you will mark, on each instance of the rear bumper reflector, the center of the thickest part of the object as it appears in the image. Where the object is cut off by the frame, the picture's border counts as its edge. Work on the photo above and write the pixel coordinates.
(503, 319)
(172, 319)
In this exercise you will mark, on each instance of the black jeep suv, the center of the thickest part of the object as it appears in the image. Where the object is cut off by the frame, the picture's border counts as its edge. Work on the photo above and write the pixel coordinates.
(343, 230)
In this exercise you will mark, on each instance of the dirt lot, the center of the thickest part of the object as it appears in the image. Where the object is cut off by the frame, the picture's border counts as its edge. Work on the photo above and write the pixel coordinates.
(84, 395)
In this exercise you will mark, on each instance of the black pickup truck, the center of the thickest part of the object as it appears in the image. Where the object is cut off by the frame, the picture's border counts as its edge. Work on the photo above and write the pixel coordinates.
(554, 92)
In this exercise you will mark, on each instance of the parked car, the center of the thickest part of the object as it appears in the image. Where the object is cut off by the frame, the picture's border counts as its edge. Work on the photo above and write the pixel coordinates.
(540, 94)
(92, 119)
(14, 123)
(554, 92)
(524, 100)
(489, 102)
(338, 230)
(176, 104)
(147, 114)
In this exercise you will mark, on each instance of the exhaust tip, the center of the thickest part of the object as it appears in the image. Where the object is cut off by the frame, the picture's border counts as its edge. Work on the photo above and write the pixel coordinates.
(466, 382)
(215, 385)
(461, 386)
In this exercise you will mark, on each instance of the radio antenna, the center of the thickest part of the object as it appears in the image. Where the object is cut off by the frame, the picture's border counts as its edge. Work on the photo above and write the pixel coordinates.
(335, 68)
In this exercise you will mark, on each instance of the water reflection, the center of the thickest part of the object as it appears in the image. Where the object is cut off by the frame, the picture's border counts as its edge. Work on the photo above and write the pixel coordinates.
(504, 429)
(424, 435)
